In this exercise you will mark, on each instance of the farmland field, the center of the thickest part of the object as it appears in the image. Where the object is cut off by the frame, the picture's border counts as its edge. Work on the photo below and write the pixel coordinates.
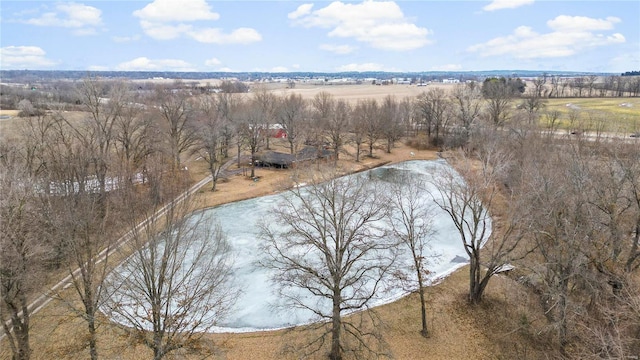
(615, 114)
(609, 114)
(353, 93)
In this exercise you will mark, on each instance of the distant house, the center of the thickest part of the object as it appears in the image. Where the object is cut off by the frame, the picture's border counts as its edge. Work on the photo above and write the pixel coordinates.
(277, 131)
(401, 81)
(284, 160)
(450, 81)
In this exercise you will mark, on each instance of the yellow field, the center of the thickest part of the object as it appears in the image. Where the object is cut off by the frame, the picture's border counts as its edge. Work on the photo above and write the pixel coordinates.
(616, 114)
(353, 93)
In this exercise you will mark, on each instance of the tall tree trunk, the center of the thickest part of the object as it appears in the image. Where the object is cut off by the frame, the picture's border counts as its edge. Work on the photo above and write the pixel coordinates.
(253, 164)
(336, 351)
(475, 294)
(93, 346)
(20, 330)
(634, 253)
(91, 320)
(423, 306)
(562, 328)
(239, 150)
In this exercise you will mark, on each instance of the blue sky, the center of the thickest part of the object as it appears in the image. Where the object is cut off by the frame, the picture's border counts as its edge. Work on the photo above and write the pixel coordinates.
(323, 36)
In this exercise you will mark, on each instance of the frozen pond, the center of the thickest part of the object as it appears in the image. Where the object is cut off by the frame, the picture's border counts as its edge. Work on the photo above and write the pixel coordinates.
(255, 309)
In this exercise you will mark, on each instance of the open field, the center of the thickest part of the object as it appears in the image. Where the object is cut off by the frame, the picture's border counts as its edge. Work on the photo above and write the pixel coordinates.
(353, 93)
(615, 114)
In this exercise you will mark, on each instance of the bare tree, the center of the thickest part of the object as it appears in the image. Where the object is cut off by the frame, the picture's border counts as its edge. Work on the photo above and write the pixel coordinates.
(467, 100)
(322, 110)
(552, 121)
(251, 130)
(358, 126)
(555, 86)
(412, 224)
(467, 196)
(575, 122)
(629, 163)
(78, 160)
(560, 224)
(390, 121)
(26, 108)
(87, 230)
(539, 86)
(591, 81)
(177, 115)
(133, 139)
(22, 249)
(332, 250)
(35, 135)
(580, 204)
(499, 95)
(434, 106)
(293, 115)
(210, 123)
(99, 134)
(323, 104)
(532, 104)
(579, 83)
(406, 112)
(83, 218)
(177, 284)
(266, 103)
(337, 125)
(227, 108)
(372, 123)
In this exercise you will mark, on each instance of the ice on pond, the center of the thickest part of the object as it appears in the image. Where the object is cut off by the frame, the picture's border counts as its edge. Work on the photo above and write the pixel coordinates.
(257, 308)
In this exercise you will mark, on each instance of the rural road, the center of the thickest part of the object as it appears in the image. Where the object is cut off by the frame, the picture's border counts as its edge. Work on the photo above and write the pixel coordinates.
(44, 299)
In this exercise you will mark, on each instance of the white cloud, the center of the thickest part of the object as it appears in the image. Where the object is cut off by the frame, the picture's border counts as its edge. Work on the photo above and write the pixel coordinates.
(146, 64)
(361, 67)
(296, 66)
(380, 24)
(83, 18)
(172, 10)
(302, 10)
(171, 19)
(570, 35)
(338, 49)
(160, 31)
(581, 23)
(447, 67)
(506, 4)
(226, 69)
(216, 36)
(24, 57)
(213, 62)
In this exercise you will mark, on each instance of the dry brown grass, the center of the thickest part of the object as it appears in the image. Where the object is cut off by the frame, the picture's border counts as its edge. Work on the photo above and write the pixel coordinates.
(353, 93)
(503, 327)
